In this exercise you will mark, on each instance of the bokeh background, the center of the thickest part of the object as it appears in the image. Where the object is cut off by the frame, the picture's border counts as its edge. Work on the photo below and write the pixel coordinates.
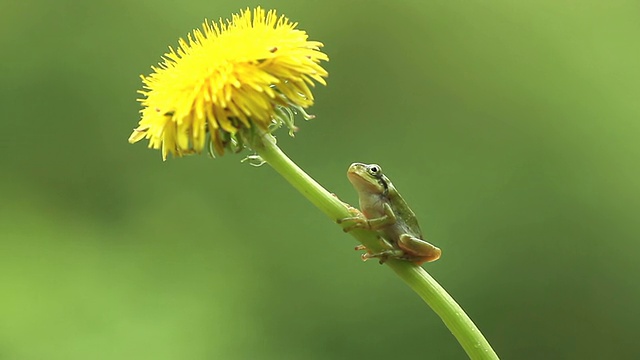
(511, 127)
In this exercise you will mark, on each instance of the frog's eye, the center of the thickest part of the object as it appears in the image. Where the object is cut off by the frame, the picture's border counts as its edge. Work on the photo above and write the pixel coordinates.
(374, 169)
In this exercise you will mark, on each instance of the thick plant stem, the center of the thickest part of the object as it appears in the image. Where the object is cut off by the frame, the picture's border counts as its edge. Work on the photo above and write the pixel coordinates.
(454, 317)
(465, 331)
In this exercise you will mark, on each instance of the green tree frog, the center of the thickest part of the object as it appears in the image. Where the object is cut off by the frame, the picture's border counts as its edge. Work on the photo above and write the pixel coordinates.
(386, 212)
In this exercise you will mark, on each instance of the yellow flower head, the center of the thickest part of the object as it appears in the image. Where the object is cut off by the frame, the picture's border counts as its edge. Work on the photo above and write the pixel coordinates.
(225, 78)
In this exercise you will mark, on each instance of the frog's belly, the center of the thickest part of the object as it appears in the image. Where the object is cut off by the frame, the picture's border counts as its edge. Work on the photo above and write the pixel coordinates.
(372, 206)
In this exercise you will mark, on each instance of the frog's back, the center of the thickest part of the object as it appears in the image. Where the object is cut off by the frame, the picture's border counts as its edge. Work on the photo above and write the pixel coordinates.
(405, 217)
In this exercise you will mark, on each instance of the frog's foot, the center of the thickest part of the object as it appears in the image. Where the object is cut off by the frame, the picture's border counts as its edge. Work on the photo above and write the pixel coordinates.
(358, 221)
(353, 211)
(418, 250)
(382, 255)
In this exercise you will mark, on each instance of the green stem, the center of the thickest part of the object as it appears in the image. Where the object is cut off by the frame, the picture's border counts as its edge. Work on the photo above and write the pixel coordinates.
(416, 277)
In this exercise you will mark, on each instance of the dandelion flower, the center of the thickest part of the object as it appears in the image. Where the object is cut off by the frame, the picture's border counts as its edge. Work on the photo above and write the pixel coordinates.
(228, 77)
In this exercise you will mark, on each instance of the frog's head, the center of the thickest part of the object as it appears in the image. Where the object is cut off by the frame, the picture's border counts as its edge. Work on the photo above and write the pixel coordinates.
(367, 178)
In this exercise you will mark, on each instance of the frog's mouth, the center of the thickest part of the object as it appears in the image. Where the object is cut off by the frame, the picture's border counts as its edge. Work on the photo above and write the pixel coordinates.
(367, 183)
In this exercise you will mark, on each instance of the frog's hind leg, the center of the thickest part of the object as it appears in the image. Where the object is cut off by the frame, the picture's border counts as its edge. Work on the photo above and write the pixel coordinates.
(418, 250)
(383, 255)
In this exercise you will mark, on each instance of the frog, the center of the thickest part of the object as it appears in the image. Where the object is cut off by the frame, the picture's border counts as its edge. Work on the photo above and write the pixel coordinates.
(384, 210)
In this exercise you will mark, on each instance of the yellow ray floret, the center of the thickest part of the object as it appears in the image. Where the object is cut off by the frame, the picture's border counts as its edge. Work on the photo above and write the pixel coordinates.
(226, 77)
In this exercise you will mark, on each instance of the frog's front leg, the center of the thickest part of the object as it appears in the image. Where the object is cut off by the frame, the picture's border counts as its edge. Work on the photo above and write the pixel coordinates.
(418, 250)
(357, 219)
(362, 222)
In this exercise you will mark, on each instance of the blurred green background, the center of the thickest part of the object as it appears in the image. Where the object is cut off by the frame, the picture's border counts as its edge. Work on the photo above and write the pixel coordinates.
(510, 126)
